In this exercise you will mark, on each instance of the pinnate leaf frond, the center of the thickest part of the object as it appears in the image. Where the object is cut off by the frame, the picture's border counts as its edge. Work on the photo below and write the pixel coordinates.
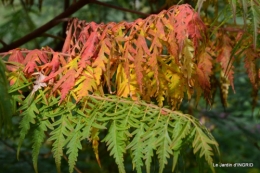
(38, 139)
(116, 142)
(29, 116)
(137, 146)
(74, 145)
(160, 59)
(58, 136)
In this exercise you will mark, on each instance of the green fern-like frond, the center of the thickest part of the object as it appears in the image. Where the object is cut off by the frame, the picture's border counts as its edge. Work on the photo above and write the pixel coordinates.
(175, 159)
(137, 146)
(91, 121)
(38, 138)
(149, 141)
(28, 118)
(58, 136)
(202, 146)
(143, 128)
(180, 130)
(255, 5)
(116, 142)
(164, 151)
(74, 146)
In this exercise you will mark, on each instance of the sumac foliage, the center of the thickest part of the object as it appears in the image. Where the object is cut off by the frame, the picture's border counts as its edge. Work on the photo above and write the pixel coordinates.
(128, 79)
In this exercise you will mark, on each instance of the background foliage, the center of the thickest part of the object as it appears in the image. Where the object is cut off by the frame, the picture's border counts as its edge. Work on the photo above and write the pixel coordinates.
(235, 127)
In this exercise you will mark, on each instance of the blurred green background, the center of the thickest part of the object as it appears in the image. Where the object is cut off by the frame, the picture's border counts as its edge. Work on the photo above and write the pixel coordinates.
(236, 128)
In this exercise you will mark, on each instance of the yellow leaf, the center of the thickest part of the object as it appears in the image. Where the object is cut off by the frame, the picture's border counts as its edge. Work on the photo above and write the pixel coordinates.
(73, 64)
(97, 74)
(121, 82)
(188, 54)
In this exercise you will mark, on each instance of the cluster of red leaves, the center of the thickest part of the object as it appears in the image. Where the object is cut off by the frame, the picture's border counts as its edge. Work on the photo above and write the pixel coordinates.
(229, 47)
(162, 56)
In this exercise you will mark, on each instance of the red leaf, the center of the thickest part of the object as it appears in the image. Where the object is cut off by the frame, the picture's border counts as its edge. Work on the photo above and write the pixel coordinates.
(142, 43)
(55, 63)
(195, 28)
(52, 75)
(225, 59)
(250, 65)
(204, 70)
(30, 67)
(66, 44)
(88, 49)
(36, 55)
(160, 28)
(186, 23)
(16, 56)
(66, 83)
(67, 86)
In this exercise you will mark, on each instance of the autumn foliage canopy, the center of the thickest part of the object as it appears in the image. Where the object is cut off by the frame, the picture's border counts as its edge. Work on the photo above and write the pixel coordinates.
(102, 67)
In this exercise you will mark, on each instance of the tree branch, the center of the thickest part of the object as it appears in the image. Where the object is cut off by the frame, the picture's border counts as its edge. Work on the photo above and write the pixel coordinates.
(72, 9)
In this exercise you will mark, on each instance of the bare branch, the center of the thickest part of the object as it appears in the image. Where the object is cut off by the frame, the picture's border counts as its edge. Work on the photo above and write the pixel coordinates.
(72, 9)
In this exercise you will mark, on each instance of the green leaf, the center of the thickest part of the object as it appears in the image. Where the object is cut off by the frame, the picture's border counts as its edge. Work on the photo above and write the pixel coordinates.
(86, 131)
(73, 147)
(175, 159)
(28, 117)
(255, 5)
(203, 144)
(163, 145)
(179, 132)
(137, 146)
(38, 138)
(58, 136)
(150, 140)
(115, 140)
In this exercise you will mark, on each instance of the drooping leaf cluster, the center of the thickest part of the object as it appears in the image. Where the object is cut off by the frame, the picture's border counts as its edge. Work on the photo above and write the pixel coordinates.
(151, 58)
(131, 125)
(247, 9)
(233, 31)
(159, 59)
(162, 57)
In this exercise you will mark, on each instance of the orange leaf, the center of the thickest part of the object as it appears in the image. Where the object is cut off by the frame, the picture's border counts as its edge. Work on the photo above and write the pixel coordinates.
(204, 70)
(66, 83)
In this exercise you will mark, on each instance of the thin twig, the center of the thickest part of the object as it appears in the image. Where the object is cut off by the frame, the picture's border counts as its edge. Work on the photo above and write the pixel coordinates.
(73, 8)
(28, 51)
(60, 53)
(56, 20)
